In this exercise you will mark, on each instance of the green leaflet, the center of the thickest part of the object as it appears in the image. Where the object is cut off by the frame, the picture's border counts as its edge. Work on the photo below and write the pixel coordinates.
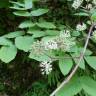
(17, 8)
(47, 38)
(46, 25)
(4, 41)
(14, 34)
(28, 4)
(76, 54)
(81, 14)
(75, 33)
(82, 63)
(91, 60)
(77, 84)
(65, 65)
(52, 32)
(89, 85)
(24, 43)
(93, 17)
(17, 3)
(41, 57)
(22, 13)
(26, 24)
(70, 89)
(87, 53)
(39, 12)
(36, 33)
(8, 53)
(25, 13)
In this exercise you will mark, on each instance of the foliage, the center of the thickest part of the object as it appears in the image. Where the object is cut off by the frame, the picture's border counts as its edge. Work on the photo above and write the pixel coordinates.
(52, 33)
(38, 89)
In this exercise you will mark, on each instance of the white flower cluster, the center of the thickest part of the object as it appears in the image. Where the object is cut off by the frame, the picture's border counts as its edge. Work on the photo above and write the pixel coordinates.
(51, 44)
(64, 40)
(89, 6)
(65, 33)
(81, 27)
(46, 67)
(94, 2)
(91, 3)
(61, 42)
(37, 48)
(77, 3)
(65, 44)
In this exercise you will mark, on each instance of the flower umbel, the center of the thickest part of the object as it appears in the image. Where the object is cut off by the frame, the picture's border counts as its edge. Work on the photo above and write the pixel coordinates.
(38, 47)
(64, 41)
(46, 67)
(65, 33)
(94, 2)
(89, 6)
(81, 27)
(65, 44)
(77, 3)
(51, 44)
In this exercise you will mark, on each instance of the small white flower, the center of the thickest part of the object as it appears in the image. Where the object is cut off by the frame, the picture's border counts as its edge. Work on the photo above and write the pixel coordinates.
(51, 44)
(46, 67)
(77, 3)
(81, 27)
(89, 6)
(65, 33)
(94, 2)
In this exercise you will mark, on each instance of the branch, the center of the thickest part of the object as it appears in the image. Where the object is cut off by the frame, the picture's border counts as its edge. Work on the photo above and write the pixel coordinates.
(77, 65)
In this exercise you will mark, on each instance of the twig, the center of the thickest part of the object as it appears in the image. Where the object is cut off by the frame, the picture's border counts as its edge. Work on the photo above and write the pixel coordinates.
(77, 65)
